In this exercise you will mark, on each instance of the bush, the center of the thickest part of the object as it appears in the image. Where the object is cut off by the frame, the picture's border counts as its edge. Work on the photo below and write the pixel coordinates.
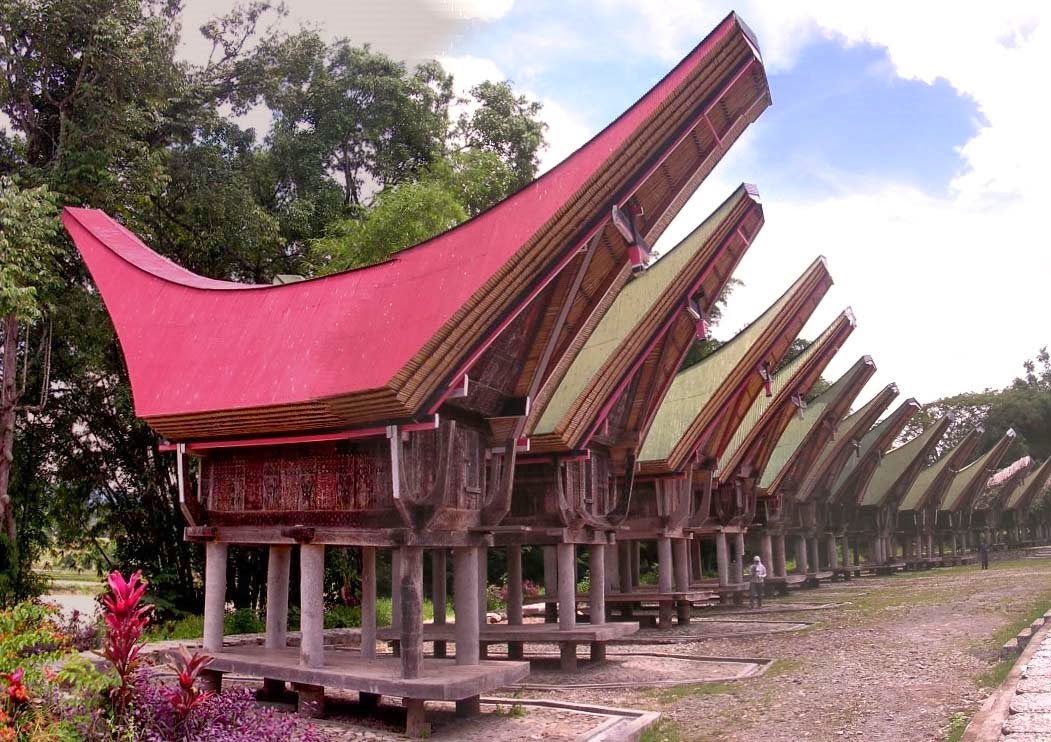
(242, 621)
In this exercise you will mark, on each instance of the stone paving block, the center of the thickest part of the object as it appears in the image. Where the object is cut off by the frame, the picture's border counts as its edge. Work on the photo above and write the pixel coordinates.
(1034, 685)
(1037, 670)
(1025, 737)
(1027, 723)
(1031, 703)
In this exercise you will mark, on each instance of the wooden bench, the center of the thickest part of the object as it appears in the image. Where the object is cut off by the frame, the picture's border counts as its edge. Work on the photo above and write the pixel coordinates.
(515, 636)
(679, 603)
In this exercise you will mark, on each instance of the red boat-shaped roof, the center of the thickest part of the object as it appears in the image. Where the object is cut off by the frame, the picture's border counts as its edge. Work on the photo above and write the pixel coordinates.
(211, 358)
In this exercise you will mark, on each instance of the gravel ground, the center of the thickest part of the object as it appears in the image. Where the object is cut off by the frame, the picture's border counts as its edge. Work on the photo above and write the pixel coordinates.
(888, 659)
(893, 664)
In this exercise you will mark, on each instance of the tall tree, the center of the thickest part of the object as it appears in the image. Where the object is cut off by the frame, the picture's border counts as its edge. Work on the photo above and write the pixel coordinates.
(27, 228)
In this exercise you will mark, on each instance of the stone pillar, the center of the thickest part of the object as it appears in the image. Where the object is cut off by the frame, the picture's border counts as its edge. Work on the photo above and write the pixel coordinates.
(739, 548)
(624, 566)
(465, 602)
(550, 584)
(411, 586)
(681, 559)
(279, 560)
(766, 551)
(597, 593)
(368, 602)
(779, 556)
(567, 602)
(567, 586)
(801, 555)
(312, 605)
(612, 568)
(813, 564)
(846, 552)
(439, 598)
(665, 581)
(636, 563)
(722, 558)
(215, 554)
(930, 545)
(514, 597)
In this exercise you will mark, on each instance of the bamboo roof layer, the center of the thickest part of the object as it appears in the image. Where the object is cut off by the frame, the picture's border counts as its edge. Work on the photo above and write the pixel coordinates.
(855, 476)
(707, 401)
(1025, 496)
(699, 265)
(932, 482)
(801, 443)
(1004, 484)
(754, 440)
(899, 467)
(210, 358)
(819, 481)
(969, 481)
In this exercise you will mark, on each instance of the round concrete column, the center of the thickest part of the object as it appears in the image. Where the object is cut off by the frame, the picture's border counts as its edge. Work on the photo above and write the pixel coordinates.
(215, 554)
(312, 605)
(278, 562)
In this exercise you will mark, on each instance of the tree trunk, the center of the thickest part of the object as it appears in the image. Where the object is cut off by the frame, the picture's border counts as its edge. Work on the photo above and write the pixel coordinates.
(8, 394)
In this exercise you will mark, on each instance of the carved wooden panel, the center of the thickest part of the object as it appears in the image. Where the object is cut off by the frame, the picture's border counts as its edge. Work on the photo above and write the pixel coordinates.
(306, 479)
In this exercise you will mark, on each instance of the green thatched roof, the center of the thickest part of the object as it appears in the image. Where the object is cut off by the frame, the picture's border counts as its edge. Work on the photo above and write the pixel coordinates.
(695, 387)
(971, 478)
(929, 476)
(632, 305)
(801, 426)
(1026, 495)
(900, 467)
(852, 428)
(785, 381)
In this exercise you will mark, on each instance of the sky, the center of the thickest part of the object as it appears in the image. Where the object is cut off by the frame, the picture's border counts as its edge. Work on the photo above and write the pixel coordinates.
(905, 144)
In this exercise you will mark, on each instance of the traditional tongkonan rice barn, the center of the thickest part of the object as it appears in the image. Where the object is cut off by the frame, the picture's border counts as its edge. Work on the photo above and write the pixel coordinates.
(384, 408)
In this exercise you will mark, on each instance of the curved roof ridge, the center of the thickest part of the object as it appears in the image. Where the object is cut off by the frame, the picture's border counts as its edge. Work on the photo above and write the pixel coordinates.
(801, 430)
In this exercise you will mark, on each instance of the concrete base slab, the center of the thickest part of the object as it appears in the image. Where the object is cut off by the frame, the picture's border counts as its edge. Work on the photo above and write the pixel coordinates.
(530, 633)
(440, 679)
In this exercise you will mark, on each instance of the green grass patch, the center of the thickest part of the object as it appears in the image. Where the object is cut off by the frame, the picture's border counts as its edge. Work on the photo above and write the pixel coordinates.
(995, 676)
(665, 730)
(783, 667)
(677, 693)
(957, 726)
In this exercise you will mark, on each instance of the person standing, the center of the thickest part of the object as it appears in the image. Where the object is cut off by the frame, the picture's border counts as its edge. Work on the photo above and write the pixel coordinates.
(983, 553)
(756, 576)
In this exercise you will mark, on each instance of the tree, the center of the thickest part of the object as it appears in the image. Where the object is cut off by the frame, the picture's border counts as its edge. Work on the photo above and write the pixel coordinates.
(27, 229)
(363, 117)
(506, 125)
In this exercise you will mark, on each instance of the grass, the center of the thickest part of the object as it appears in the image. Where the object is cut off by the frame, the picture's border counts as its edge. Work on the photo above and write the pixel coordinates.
(957, 726)
(995, 676)
(783, 667)
(665, 730)
(676, 693)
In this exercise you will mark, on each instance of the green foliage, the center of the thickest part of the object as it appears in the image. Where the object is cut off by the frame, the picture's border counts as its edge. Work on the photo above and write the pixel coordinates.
(387, 227)
(957, 726)
(504, 124)
(362, 158)
(28, 225)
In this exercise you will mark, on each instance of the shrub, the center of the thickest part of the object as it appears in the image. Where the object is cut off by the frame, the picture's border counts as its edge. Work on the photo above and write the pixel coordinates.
(241, 621)
(231, 716)
(126, 621)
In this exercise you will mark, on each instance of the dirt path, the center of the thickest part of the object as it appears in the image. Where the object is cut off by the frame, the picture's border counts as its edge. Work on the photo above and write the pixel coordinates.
(896, 660)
